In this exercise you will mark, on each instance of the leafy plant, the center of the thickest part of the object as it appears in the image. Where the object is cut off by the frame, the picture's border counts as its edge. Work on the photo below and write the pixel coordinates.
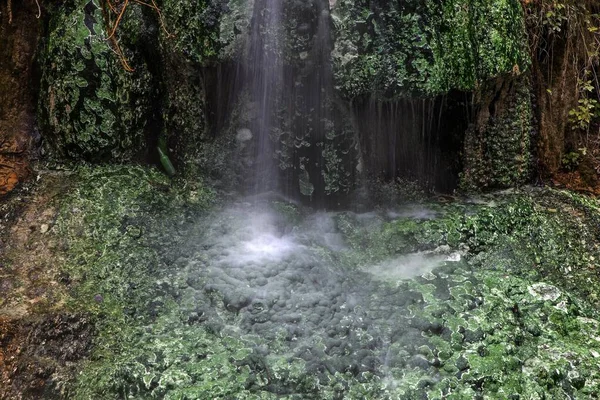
(570, 161)
(555, 16)
(588, 109)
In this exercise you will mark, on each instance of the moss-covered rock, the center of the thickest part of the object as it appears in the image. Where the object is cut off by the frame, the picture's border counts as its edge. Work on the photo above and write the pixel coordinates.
(201, 35)
(194, 28)
(90, 107)
(498, 148)
(423, 47)
(272, 301)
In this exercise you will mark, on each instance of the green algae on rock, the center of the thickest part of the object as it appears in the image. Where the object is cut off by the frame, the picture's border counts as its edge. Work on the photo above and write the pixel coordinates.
(498, 150)
(250, 303)
(423, 47)
(90, 108)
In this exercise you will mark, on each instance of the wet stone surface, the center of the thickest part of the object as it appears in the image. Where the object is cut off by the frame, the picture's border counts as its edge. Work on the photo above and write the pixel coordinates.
(269, 300)
(299, 294)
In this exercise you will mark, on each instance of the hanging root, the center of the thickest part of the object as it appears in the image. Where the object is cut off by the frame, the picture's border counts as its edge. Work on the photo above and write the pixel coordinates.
(110, 8)
(10, 13)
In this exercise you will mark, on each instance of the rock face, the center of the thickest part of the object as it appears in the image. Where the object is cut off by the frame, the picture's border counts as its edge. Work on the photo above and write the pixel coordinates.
(190, 88)
(412, 70)
(498, 146)
(422, 47)
(90, 108)
(347, 64)
(19, 34)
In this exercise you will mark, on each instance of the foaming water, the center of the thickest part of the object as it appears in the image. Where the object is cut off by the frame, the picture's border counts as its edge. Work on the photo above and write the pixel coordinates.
(296, 283)
(255, 238)
(266, 247)
(409, 266)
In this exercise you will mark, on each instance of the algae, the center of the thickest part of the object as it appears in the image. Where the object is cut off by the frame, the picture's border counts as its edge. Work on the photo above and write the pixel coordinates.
(512, 311)
(423, 47)
(90, 107)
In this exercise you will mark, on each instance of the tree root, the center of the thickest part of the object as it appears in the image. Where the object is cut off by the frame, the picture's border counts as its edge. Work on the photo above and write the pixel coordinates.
(119, 11)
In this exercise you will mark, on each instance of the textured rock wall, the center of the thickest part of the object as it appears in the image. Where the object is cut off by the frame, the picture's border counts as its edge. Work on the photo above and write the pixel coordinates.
(498, 147)
(425, 47)
(184, 93)
(420, 51)
(90, 108)
(19, 34)
(563, 45)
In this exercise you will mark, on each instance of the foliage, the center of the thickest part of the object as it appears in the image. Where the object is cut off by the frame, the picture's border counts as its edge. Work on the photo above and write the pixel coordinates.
(425, 47)
(195, 26)
(555, 21)
(498, 152)
(570, 161)
(588, 109)
(552, 234)
(91, 108)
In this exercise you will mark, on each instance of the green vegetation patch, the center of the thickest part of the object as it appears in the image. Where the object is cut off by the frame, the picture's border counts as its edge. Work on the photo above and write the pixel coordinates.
(119, 225)
(90, 107)
(425, 47)
(177, 318)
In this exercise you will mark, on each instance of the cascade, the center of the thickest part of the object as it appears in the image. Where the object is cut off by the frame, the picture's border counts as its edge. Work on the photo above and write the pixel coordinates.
(303, 144)
(306, 142)
(263, 76)
(255, 270)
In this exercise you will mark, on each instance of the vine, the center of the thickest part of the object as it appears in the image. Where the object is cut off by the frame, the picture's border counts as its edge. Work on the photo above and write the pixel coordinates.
(10, 11)
(570, 29)
(114, 11)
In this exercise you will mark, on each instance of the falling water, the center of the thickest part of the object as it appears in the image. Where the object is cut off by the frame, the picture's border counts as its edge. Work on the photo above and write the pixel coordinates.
(300, 140)
(264, 75)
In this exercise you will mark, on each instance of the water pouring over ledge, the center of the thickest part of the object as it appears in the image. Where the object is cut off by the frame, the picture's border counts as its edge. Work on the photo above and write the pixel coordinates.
(263, 77)
(303, 145)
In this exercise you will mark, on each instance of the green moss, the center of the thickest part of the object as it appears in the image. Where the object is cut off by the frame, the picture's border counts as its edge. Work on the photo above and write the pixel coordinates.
(518, 315)
(498, 152)
(510, 330)
(425, 47)
(194, 27)
(117, 225)
(89, 107)
(114, 222)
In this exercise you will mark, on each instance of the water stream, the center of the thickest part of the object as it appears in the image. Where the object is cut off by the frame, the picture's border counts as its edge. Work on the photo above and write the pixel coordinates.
(295, 290)
(263, 77)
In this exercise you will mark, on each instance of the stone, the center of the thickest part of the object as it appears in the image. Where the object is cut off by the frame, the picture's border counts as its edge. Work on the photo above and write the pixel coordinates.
(243, 135)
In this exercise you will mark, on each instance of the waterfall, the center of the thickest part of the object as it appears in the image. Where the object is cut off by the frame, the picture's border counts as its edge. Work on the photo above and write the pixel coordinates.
(264, 76)
(302, 143)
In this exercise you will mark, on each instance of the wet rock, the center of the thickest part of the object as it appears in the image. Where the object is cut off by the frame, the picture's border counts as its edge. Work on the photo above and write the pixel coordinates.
(243, 135)
(34, 350)
(544, 291)
(472, 336)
